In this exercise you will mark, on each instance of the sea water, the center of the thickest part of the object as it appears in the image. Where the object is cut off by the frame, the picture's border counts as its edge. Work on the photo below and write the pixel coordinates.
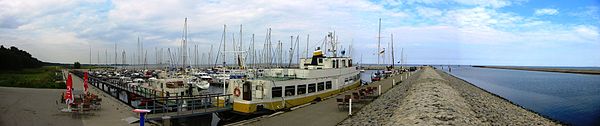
(567, 97)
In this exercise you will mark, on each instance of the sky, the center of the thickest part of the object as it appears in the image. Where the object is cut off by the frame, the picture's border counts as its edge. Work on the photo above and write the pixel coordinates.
(467, 32)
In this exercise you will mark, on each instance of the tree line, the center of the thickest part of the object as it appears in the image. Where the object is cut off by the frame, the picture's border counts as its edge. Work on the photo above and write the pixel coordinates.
(15, 59)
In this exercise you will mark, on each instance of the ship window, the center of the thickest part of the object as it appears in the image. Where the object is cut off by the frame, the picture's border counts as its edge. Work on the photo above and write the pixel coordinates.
(290, 90)
(276, 92)
(301, 89)
(321, 86)
(328, 85)
(333, 64)
(350, 63)
(311, 88)
(320, 60)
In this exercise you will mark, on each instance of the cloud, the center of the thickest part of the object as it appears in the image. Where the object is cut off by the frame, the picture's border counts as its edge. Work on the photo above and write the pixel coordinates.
(429, 12)
(476, 3)
(76, 25)
(546, 11)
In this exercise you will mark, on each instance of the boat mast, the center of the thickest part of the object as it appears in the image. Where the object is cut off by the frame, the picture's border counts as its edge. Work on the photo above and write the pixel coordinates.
(393, 62)
(379, 43)
(210, 55)
(116, 55)
(90, 54)
(307, 41)
(297, 49)
(184, 48)
(106, 56)
(224, 43)
(291, 51)
(253, 54)
(123, 57)
(196, 55)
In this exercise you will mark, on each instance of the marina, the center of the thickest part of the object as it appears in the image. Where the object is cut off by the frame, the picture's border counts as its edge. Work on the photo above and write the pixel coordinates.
(299, 63)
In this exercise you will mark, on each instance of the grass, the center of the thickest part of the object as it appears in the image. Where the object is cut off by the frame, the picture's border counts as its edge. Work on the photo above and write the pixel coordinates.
(43, 77)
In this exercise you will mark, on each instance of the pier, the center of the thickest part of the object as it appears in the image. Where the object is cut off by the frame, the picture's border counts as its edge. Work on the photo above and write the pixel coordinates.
(176, 106)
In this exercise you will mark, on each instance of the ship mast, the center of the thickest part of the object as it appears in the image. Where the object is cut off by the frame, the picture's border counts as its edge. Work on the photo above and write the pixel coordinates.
(184, 48)
(393, 62)
(379, 43)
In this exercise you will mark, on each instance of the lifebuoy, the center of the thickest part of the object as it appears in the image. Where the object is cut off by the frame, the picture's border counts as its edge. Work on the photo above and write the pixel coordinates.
(236, 92)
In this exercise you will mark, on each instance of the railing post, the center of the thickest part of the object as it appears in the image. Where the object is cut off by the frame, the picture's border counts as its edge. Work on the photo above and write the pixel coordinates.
(350, 107)
(379, 89)
(193, 105)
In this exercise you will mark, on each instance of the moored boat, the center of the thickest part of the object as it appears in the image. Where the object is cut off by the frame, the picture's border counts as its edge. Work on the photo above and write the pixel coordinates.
(282, 88)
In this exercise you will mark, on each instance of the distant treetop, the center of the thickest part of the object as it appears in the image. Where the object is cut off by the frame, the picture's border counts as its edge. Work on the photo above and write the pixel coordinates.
(15, 59)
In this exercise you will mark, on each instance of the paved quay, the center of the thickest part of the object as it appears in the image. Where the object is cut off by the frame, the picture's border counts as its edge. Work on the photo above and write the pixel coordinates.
(40, 107)
(324, 113)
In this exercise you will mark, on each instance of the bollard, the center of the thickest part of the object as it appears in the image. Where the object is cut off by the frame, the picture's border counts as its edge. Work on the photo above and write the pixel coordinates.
(142, 113)
(393, 82)
(166, 120)
(350, 107)
(379, 89)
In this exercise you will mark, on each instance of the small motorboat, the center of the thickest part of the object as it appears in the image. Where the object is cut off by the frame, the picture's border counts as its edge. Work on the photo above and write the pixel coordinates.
(201, 82)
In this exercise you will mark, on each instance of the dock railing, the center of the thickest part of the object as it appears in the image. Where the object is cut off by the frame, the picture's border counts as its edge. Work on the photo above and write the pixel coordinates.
(152, 99)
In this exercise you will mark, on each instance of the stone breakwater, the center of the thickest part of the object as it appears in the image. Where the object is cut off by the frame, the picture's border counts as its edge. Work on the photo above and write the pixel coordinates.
(434, 98)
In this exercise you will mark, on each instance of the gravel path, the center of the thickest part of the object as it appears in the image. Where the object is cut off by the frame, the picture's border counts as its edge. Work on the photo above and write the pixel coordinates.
(434, 98)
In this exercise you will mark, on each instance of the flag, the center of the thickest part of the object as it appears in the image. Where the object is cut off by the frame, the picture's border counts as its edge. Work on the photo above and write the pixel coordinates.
(69, 94)
(85, 82)
(382, 51)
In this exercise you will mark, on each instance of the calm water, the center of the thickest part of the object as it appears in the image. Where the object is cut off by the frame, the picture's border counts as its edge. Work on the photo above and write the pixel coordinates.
(570, 98)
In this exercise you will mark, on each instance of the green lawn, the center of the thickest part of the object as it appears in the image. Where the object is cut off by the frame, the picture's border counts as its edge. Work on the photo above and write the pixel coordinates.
(44, 77)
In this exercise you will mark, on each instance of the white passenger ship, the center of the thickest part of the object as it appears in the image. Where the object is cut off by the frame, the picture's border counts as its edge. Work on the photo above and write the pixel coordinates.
(275, 89)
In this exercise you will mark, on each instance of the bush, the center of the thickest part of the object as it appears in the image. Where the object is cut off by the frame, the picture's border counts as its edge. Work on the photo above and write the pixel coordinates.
(77, 65)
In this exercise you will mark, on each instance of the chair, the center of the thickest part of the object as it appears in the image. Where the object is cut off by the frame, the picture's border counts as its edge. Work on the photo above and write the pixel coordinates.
(341, 102)
(355, 96)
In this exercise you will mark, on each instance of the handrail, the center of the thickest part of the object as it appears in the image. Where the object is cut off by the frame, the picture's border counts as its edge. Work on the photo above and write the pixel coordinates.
(193, 103)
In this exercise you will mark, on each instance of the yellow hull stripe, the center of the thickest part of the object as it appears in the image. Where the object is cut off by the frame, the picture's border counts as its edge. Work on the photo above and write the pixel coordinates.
(289, 103)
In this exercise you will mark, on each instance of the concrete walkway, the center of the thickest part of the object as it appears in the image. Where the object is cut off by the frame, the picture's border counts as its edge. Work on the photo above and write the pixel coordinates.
(40, 107)
(324, 113)
(112, 111)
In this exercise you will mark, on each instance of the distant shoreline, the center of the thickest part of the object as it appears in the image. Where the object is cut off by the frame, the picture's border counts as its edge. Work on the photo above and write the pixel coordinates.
(560, 70)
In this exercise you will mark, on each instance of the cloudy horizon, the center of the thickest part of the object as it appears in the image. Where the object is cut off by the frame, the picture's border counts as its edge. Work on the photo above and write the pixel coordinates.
(468, 32)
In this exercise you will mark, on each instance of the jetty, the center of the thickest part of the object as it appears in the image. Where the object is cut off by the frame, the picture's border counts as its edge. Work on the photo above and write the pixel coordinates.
(438, 98)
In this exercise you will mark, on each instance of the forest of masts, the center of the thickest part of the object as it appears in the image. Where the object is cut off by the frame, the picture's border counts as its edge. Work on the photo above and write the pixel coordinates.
(241, 53)
(271, 55)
